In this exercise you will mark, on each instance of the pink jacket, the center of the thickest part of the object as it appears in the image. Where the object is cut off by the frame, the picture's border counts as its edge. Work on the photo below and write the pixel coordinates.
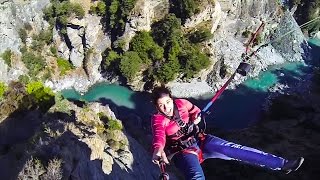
(162, 126)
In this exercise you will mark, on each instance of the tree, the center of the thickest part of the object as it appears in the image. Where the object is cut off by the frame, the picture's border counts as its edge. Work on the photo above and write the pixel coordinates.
(192, 60)
(6, 56)
(100, 9)
(60, 11)
(23, 35)
(169, 69)
(166, 29)
(111, 58)
(307, 10)
(130, 64)
(184, 8)
(117, 15)
(33, 62)
(43, 96)
(200, 36)
(147, 49)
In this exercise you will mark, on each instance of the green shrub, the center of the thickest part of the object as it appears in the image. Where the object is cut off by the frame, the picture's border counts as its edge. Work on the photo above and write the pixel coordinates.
(61, 104)
(167, 29)
(23, 49)
(34, 63)
(24, 79)
(200, 36)
(6, 56)
(223, 70)
(257, 40)
(64, 65)
(53, 50)
(32, 169)
(54, 170)
(246, 33)
(47, 74)
(42, 39)
(44, 96)
(100, 9)
(3, 89)
(170, 68)
(181, 55)
(16, 99)
(23, 35)
(77, 10)
(27, 26)
(114, 124)
(168, 71)
(115, 145)
(111, 58)
(35, 86)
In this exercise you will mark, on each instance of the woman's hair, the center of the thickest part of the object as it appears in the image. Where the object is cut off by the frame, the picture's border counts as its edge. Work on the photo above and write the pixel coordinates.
(159, 92)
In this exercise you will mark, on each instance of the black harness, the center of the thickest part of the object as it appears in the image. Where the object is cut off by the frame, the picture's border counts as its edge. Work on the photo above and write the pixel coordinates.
(187, 133)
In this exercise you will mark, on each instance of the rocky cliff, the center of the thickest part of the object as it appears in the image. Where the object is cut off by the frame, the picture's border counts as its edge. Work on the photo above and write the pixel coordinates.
(68, 141)
(85, 39)
(236, 20)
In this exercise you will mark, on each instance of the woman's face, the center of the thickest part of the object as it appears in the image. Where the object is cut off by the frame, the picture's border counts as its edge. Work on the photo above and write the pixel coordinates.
(165, 105)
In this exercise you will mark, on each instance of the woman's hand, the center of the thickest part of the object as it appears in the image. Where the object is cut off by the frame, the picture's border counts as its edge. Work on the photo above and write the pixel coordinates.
(159, 154)
(197, 120)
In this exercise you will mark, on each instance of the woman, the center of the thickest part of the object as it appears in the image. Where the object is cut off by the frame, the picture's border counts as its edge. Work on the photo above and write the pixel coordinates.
(175, 137)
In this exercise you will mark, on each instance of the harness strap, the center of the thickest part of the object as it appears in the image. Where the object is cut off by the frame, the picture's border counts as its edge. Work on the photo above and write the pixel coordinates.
(196, 151)
(202, 137)
(185, 128)
(191, 108)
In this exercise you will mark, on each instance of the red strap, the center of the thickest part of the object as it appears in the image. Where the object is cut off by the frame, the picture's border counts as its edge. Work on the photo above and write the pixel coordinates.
(198, 152)
(202, 137)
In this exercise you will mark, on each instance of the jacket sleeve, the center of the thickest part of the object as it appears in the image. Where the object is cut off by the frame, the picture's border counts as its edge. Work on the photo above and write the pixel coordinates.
(158, 132)
(192, 109)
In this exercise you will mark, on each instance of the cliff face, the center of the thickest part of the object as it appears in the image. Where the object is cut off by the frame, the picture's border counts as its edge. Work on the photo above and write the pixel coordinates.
(16, 15)
(84, 40)
(82, 44)
(88, 141)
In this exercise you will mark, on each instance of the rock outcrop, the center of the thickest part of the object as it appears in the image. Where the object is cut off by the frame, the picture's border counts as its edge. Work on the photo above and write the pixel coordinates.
(144, 14)
(89, 146)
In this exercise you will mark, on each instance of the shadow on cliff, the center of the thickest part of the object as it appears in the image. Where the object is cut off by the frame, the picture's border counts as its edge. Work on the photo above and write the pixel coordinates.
(22, 135)
(137, 125)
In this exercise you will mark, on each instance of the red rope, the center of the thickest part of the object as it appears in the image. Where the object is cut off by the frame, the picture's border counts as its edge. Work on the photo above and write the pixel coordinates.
(215, 97)
(220, 91)
(254, 36)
